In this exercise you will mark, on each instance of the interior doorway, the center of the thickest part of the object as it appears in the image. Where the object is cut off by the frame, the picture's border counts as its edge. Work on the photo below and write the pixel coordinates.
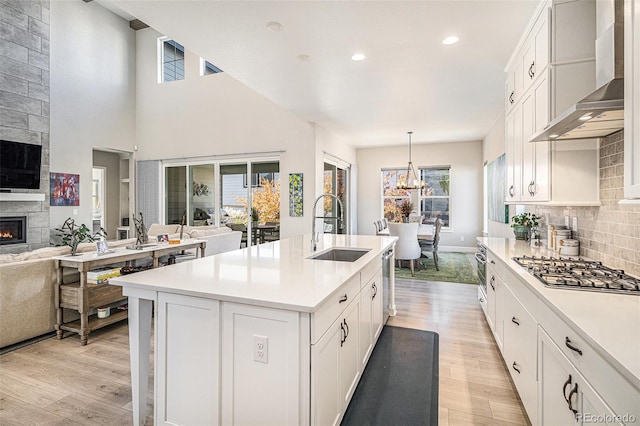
(98, 199)
(336, 182)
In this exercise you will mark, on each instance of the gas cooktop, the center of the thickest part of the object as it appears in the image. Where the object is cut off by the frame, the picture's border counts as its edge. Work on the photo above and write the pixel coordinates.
(579, 274)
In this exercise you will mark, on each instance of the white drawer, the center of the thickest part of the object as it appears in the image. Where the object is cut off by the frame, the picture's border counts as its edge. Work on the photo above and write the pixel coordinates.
(483, 300)
(494, 265)
(612, 386)
(327, 313)
(520, 331)
(524, 377)
(369, 272)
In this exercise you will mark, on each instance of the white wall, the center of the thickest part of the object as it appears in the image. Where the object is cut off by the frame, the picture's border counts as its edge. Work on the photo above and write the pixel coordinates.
(465, 159)
(92, 93)
(216, 115)
(493, 146)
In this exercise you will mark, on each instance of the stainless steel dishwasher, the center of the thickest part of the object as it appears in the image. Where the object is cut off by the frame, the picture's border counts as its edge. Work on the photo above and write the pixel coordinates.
(388, 283)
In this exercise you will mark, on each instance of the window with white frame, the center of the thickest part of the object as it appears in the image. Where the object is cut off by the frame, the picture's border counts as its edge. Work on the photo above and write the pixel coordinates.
(207, 68)
(171, 60)
(435, 196)
(433, 199)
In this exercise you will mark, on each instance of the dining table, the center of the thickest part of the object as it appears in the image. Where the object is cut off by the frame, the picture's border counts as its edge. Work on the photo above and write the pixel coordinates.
(260, 230)
(425, 232)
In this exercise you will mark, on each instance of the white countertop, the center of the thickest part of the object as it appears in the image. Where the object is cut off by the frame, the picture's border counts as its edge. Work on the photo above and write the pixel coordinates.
(277, 274)
(608, 321)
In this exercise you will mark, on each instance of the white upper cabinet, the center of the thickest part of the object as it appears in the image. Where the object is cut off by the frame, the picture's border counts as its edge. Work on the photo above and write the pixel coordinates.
(556, 68)
(632, 99)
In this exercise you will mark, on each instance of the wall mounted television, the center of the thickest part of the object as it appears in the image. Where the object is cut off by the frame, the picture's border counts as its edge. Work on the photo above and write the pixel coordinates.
(20, 165)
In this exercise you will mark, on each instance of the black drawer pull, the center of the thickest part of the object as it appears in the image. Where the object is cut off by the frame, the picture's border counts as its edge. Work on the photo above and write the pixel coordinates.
(573, 391)
(346, 328)
(567, 342)
(564, 388)
(343, 299)
(492, 262)
(515, 367)
(343, 336)
(515, 321)
(493, 278)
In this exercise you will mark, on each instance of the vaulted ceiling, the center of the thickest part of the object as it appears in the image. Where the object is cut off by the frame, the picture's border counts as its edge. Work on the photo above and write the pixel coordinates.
(409, 80)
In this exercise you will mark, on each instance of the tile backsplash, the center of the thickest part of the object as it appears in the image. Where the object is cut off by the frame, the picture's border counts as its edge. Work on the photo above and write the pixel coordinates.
(609, 233)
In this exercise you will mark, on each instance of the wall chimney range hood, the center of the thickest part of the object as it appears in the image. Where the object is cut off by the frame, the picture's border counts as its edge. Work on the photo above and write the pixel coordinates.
(602, 112)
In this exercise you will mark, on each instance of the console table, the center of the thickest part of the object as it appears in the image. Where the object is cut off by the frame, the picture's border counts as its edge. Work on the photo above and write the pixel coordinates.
(83, 296)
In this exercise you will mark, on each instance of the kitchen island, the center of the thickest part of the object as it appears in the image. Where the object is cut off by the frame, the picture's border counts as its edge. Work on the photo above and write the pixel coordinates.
(261, 335)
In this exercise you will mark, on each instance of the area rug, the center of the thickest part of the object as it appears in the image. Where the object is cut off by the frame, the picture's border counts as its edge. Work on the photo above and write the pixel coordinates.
(399, 386)
(454, 268)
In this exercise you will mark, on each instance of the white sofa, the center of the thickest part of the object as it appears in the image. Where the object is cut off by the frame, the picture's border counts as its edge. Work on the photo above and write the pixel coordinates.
(27, 280)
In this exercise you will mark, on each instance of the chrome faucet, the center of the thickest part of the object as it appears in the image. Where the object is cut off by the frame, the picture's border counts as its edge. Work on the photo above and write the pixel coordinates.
(314, 237)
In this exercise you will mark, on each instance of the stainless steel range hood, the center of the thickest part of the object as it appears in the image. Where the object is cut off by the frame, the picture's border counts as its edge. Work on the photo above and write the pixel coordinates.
(602, 112)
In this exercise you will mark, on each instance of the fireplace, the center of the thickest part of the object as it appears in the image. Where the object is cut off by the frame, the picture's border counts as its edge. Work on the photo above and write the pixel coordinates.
(13, 230)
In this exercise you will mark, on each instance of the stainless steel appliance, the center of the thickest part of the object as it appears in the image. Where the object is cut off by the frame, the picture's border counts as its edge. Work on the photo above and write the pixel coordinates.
(579, 274)
(481, 265)
(388, 277)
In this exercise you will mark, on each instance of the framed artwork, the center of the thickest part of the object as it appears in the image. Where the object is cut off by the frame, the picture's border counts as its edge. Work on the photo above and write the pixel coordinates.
(295, 195)
(498, 210)
(64, 189)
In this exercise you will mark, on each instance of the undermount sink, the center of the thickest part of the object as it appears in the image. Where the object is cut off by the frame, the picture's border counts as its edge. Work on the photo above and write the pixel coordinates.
(341, 255)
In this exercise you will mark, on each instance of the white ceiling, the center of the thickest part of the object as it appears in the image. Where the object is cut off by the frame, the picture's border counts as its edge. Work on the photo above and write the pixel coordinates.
(408, 81)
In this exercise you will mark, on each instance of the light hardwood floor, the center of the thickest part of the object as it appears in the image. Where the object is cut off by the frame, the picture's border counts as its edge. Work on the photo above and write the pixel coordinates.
(60, 382)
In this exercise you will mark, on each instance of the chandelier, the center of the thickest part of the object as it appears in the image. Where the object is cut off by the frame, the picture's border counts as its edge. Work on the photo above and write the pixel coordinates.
(410, 180)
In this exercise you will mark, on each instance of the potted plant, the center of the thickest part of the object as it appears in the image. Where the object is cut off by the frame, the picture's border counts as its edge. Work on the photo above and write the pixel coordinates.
(522, 225)
(405, 209)
(255, 216)
(72, 234)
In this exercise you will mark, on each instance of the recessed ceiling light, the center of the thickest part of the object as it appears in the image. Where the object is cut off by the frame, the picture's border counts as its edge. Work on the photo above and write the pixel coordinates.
(358, 56)
(585, 117)
(450, 40)
(274, 26)
(553, 136)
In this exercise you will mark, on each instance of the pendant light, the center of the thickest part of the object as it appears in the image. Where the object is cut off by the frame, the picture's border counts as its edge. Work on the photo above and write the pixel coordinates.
(411, 180)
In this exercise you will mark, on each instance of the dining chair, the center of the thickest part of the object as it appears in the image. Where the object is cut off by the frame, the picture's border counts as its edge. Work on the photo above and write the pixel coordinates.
(407, 247)
(431, 246)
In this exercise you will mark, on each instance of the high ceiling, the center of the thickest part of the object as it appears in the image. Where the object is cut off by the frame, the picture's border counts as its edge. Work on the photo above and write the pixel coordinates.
(408, 81)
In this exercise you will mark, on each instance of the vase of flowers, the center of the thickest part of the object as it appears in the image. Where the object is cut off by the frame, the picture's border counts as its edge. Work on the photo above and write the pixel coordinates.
(405, 209)
(523, 224)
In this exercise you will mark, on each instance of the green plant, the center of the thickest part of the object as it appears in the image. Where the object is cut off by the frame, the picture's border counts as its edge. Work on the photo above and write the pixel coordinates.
(406, 208)
(528, 220)
(72, 234)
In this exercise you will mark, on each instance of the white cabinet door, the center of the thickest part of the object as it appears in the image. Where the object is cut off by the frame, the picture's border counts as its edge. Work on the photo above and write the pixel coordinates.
(366, 325)
(325, 360)
(377, 307)
(535, 57)
(632, 99)
(541, 157)
(491, 299)
(349, 369)
(188, 360)
(528, 149)
(566, 398)
(513, 150)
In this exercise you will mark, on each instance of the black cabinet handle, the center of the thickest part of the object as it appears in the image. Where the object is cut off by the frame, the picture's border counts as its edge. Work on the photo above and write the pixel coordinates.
(481, 300)
(511, 97)
(533, 69)
(375, 291)
(343, 336)
(574, 391)
(564, 388)
(515, 367)
(515, 321)
(511, 191)
(493, 262)
(346, 327)
(343, 299)
(567, 342)
(491, 281)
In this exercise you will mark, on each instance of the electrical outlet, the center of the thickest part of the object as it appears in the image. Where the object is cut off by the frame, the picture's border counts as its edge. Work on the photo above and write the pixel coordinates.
(566, 221)
(574, 227)
(462, 239)
(261, 348)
